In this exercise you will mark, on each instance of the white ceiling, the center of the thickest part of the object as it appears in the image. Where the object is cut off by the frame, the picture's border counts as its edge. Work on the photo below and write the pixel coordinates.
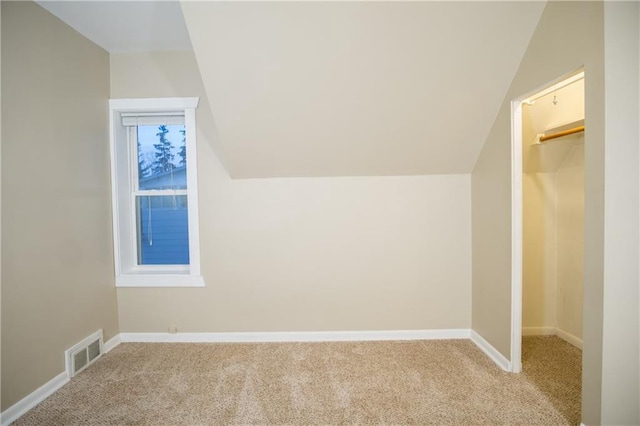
(125, 26)
(333, 88)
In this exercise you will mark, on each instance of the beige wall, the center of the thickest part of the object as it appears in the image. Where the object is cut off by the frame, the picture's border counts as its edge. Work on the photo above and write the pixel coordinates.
(57, 273)
(540, 250)
(571, 35)
(553, 244)
(305, 254)
(570, 181)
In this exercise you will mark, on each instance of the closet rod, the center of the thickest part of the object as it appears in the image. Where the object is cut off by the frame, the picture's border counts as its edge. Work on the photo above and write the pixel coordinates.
(563, 133)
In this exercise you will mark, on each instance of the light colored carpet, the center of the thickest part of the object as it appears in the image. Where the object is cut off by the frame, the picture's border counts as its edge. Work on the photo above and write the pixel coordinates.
(414, 382)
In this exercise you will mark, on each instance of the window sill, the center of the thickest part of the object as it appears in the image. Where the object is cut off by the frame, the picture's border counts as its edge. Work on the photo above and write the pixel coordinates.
(159, 280)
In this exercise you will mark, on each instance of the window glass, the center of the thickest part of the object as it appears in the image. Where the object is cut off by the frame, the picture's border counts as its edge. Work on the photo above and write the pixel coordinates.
(163, 230)
(162, 157)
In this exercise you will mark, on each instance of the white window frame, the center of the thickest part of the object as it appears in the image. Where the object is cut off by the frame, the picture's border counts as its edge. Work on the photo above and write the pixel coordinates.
(124, 187)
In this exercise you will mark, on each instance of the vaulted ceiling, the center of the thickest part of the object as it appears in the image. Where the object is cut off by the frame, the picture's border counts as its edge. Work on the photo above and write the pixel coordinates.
(355, 88)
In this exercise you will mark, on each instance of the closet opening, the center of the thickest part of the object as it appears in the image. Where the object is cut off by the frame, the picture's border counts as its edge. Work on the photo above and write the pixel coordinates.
(548, 136)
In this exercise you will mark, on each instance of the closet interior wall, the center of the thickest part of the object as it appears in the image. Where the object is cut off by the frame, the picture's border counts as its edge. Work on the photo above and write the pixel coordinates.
(553, 217)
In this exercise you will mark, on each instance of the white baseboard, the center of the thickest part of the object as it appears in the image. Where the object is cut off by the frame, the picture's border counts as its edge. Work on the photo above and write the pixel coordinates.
(491, 352)
(569, 338)
(12, 413)
(112, 343)
(296, 336)
(539, 331)
(553, 331)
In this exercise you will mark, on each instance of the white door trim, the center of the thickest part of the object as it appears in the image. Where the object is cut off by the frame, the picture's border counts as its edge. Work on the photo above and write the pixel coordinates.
(516, 235)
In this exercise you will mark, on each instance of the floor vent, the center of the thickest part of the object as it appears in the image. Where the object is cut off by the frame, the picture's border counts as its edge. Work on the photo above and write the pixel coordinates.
(84, 353)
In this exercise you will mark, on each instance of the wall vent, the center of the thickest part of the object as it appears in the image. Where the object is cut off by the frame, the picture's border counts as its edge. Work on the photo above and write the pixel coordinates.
(84, 353)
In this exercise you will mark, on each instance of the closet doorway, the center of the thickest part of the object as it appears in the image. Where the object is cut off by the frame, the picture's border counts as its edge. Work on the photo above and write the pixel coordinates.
(548, 131)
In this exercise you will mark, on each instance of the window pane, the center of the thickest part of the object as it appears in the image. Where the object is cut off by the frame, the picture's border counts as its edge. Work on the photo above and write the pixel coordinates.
(162, 157)
(163, 231)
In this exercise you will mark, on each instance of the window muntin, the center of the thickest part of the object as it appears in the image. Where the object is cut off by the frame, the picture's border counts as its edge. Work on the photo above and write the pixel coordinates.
(155, 192)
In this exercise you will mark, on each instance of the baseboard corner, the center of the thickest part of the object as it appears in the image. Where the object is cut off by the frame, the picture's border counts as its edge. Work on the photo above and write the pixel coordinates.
(539, 331)
(569, 338)
(112, 343)
(490, 351)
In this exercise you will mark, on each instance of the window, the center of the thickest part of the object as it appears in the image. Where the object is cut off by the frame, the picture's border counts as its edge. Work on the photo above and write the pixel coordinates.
(155, 192)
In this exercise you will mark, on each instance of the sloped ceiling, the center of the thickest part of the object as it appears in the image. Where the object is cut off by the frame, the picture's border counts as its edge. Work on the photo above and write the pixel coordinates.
(356, 88)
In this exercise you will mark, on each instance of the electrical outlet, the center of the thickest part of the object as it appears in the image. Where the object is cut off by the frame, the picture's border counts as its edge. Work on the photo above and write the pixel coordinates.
(173, 329)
